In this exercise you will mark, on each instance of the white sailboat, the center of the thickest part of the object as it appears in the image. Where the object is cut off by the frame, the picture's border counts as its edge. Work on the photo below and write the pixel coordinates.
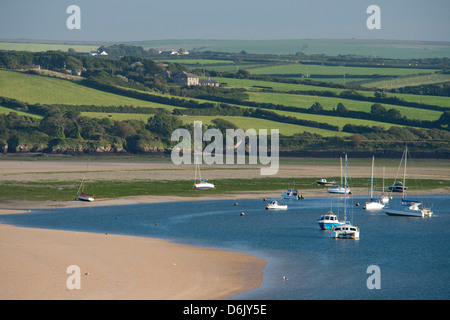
(339, 188)
(201, 184)
(384, 198)
(345, 229)
(408, 208)
(372, 204)
(81, 195)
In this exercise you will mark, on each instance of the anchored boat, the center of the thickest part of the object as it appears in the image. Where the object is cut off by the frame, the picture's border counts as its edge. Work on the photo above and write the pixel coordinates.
(328, 221)
(345, 230)
(276, 205)
(372, 204)
(409, 208)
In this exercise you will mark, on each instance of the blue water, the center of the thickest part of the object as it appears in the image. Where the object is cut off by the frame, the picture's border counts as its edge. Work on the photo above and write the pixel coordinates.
(412, 253)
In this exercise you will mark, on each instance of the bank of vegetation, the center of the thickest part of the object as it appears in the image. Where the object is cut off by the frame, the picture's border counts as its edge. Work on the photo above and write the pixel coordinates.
(136, 74)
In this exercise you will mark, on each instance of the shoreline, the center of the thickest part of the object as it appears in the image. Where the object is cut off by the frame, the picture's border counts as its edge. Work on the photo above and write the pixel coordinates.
(11, 207)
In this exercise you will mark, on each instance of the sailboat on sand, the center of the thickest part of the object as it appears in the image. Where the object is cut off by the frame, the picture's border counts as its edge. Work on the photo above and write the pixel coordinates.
(201, 184)
(82, 195)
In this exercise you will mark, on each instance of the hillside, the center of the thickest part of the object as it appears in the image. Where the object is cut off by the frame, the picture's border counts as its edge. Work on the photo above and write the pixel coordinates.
(118, 108)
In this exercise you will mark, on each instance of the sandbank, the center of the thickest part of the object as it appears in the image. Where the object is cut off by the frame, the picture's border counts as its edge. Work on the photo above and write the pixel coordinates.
(34, 265)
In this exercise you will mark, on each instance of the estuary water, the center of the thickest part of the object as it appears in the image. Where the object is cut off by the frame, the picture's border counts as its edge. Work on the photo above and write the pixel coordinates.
(411, 253)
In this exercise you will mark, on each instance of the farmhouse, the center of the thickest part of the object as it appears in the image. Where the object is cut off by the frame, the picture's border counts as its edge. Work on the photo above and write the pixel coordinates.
(189, 79)
(208, 82)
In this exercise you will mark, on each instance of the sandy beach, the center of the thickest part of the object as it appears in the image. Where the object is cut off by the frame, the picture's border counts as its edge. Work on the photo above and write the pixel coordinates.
(34, 266)
(34, 262)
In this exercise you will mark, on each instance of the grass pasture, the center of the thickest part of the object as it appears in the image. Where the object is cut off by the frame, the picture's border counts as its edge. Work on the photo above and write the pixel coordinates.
(416, 80)
(38, 47)
(305, 102)
(39, 89)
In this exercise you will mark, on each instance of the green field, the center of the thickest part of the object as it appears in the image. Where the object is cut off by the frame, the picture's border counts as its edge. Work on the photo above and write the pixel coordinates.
(332, 47)
(305, 102)
(38, 47)
(308, 69)
(46, 90)
(39, 89)
(408, 81)
(54, 191)
(258, 85)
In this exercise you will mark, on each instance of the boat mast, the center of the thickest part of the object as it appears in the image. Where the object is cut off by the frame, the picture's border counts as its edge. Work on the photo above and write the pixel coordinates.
(345, 189)
(404, 174)
(371, 181)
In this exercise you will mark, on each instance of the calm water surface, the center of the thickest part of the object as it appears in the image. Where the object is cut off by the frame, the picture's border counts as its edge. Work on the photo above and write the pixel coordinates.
(412, 253)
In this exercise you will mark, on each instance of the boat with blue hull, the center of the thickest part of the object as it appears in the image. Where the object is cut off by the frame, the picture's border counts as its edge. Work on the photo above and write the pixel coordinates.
(328, 221)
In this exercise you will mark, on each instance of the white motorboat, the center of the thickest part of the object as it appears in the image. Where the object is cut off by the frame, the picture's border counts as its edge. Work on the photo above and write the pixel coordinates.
(345, 230)
(276, 205)
(373, 204)
(408, 208)
(325, 182)
(292, 194)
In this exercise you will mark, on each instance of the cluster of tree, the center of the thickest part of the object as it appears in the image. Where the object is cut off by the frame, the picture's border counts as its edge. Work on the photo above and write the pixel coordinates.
(440, 89)
(68, 131)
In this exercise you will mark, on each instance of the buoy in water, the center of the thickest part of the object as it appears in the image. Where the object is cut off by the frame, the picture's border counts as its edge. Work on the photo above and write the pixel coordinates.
(235, 203)
(357, 204)
(265, 199)
(242, 214)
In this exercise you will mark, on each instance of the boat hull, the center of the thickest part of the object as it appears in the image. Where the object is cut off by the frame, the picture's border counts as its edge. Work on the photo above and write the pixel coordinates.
(346, 235)
(202, 186)
(408, 213)
(86, 198)
(345, 231)
(339, 190)
(328, 225)
(373, 206)
(279, 207)
(274, 205)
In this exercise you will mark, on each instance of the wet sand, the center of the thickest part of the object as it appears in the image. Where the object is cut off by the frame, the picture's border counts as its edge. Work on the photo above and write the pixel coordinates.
(34, 265)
